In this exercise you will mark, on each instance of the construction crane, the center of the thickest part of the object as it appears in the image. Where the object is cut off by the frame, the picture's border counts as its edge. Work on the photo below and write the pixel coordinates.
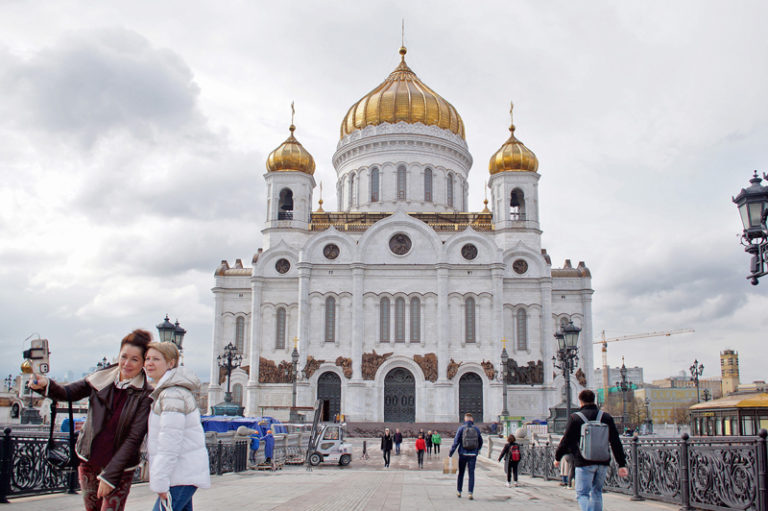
(604, 341)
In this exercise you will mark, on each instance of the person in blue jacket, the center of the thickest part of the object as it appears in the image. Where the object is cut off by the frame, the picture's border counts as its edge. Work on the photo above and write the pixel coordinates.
(269, 446)
(468, 441)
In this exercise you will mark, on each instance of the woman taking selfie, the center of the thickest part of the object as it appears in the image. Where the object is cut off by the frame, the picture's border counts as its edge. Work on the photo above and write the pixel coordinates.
(118, 407)
(178, 459)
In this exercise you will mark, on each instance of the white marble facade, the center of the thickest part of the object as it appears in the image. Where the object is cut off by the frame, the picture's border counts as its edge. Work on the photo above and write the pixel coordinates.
(428, 297)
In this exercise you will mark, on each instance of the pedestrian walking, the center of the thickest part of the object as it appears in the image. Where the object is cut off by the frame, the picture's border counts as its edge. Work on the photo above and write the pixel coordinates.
(428, 441)
(118, 407)
(386, 446)
(398, 441)
(468, 441)
(511, 454)
(590, 436)
(436, 441)
(566, 467)
(178, 458)
(421, 446)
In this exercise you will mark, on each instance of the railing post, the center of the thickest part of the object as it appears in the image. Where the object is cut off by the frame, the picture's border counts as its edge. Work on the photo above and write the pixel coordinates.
(635, 469)
(218, 458)
(684, 479)
(6, 465)
(762, 470)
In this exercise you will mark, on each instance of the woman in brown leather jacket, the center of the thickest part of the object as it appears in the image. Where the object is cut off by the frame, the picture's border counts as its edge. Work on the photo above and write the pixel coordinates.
(118, 407)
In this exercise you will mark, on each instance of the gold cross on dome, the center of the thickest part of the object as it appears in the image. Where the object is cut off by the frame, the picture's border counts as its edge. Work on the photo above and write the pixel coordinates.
(293, 112)
(504, 342)
(295, 341)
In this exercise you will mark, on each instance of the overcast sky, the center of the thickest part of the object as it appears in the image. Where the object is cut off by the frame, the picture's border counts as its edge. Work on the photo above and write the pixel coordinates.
(133, 139)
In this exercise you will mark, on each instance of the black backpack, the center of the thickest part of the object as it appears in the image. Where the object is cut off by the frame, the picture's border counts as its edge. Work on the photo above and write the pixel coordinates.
(470, 439)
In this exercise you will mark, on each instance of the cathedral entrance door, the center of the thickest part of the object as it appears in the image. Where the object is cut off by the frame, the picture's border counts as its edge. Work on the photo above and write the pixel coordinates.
(399, 396)
(329, 392)
(471, 397)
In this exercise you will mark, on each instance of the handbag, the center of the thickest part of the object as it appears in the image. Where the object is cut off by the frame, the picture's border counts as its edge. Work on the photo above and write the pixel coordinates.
(57, 455)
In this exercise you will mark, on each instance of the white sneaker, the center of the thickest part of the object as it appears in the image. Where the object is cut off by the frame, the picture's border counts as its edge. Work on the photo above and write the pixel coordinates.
(507, 483)
(517, 484)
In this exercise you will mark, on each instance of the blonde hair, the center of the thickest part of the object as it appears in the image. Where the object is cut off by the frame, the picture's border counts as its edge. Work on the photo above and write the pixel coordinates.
(168, 350)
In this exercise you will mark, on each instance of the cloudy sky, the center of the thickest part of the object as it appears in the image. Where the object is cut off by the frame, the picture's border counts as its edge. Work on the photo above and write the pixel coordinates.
(133, 139)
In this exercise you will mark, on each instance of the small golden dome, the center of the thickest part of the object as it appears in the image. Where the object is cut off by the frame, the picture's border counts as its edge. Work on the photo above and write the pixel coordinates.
(513, 156)
(402, 97)
(291, 156)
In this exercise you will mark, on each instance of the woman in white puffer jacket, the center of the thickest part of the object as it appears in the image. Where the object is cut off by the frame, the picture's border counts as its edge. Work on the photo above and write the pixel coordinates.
(178, 459)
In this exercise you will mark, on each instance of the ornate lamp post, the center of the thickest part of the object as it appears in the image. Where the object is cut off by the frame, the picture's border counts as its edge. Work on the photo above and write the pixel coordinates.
(172, 332)
(504, 369)
(697, 370)
(707, 394)
(295, 373)
(567, 356)
(229, 361)
(753, 208)
(624, 386)
(102, 364)
(9, 383)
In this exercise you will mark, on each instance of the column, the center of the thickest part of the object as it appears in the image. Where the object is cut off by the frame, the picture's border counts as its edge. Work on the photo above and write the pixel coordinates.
(547, 339)
(358, 319)
(302, 330)
(251, 388)
(497, 284)
(443, 347)
(585, 340)
(214, 389)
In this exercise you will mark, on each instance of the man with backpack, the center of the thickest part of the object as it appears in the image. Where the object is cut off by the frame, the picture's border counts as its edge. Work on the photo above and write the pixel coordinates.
(468, 441)
(590, 436)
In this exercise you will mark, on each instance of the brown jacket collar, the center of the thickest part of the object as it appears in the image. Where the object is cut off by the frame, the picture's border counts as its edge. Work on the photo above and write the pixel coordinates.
(106, 377)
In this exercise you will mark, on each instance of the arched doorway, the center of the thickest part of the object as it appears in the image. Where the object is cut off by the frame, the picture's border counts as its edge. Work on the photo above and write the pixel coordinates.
(399, 396)
(471, 396)
(329, 392)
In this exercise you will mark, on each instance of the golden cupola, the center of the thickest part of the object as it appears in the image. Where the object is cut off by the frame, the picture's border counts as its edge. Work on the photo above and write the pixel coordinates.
(402, 97)
(291, 156)
(513, 156)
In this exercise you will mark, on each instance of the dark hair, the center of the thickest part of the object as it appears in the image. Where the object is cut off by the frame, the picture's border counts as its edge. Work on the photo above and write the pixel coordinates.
(138, 338)
(511, 438)
(587, 397)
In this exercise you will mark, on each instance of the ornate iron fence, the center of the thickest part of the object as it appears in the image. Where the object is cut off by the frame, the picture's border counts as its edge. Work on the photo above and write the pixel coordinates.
(712, 473)
(227, 457)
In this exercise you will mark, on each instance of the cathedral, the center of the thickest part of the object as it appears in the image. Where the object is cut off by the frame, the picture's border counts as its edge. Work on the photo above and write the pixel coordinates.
(399, 303)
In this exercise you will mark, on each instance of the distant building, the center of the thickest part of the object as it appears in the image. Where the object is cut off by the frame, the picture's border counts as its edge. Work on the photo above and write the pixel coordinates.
(755, 386)
(729, 370)
(682, 381)
(664, 401)
(737, 414)
(634, 374)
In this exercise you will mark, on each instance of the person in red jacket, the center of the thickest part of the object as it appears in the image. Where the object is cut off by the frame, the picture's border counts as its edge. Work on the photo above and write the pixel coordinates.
(421, 446)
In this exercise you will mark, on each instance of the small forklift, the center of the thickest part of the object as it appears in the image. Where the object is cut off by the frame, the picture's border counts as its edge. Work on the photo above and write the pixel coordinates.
(326, 442)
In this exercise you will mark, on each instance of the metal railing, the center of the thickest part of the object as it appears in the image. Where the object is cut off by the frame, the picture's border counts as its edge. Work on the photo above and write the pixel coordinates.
(227, 457)
(712, 473)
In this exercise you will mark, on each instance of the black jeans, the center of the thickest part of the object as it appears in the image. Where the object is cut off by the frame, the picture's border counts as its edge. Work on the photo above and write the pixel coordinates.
(467, 462)
(512, 470)
(420, 455)
(437, 448)
(386, 457)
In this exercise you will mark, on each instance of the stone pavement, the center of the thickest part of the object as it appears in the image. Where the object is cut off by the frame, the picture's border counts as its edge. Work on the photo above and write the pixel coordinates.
(364, 485)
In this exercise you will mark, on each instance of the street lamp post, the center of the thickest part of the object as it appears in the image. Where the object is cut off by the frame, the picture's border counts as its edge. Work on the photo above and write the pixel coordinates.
(567, 356)
(9, 383)
(648, 417)
(295, 365)
(504, 371)
(707, 394)
(623, 385)
(697, 370)
(172, 332)
(102, 364)
(229, 361)
(753, 209)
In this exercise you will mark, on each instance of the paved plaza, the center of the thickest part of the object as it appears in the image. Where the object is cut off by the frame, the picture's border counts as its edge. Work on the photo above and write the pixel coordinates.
(364, 485)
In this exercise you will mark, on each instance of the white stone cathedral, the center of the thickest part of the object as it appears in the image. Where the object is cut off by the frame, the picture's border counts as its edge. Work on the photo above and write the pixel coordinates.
(401, 301)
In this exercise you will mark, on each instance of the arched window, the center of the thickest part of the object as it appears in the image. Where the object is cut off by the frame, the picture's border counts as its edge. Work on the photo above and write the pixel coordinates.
(374, 185)
(415, 320)
(517, 205)
(384, 320)
(469, 320)
(400, 319)
(428, 185)
(522, 330)
(351, 196)
(240, 334)
(237, 394)
(285, 206)
(449, 190)
(330, 319)
(280, 329)
(401, 183)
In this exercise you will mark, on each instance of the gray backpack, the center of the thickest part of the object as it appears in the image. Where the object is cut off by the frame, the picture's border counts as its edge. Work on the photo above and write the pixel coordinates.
(594, 444)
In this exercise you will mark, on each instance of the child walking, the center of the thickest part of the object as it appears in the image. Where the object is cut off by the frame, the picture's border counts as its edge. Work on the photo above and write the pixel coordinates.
(511, 454)
(421, 446)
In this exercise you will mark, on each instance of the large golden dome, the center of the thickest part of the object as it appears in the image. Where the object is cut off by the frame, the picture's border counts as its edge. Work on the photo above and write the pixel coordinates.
(402, 97)
(513, 156)
(291, 156)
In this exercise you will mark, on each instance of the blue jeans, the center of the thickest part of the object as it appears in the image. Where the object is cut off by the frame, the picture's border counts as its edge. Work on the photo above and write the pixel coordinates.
(589, 487)
(181, 498)
(467, 462)
(397, 448)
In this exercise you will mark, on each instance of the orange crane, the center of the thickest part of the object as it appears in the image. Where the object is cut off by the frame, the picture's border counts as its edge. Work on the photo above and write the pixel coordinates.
(604, 341)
